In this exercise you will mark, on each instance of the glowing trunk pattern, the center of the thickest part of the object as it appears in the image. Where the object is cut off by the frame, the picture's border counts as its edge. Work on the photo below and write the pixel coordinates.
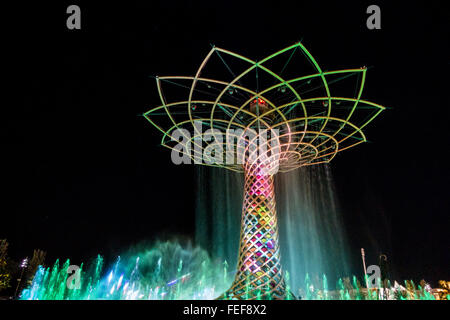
(259, 273)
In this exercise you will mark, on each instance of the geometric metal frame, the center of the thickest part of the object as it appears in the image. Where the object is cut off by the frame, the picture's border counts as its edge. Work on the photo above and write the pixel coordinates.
(305, 137)
(312, 146)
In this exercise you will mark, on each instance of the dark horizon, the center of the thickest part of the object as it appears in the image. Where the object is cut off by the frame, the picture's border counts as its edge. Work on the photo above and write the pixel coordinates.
(83, 171)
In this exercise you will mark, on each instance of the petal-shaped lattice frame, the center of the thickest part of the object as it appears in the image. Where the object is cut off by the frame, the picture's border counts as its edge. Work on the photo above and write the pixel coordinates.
(309, 137)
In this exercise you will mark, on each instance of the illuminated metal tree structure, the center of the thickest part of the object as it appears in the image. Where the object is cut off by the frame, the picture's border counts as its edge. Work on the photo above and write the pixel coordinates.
(304, 124)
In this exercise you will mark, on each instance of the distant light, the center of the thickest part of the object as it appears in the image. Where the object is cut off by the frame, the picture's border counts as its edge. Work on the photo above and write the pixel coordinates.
(282, 89)
(24, 263)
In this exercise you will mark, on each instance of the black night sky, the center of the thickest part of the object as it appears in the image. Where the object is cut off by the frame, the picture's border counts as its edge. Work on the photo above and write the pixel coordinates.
(82, 171)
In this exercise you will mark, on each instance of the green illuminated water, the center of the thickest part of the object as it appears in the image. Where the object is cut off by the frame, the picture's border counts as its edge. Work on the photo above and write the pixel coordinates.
(166, 271)
(146, 278)
(312, 237)
(313, 244)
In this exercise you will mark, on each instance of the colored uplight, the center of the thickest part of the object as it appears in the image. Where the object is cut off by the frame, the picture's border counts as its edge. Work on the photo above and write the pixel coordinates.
(183, 278)
(110, 277)
(24, 263)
